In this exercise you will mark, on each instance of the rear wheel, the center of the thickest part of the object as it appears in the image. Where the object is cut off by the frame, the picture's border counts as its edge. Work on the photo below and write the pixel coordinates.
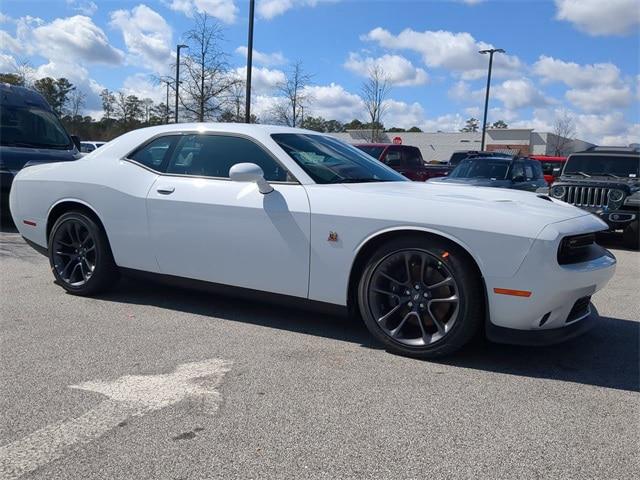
(80, 255)
(421, 297)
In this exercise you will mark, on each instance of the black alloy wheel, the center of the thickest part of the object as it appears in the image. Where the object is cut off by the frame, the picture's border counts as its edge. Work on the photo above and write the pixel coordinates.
(421, 298)
(80, 255)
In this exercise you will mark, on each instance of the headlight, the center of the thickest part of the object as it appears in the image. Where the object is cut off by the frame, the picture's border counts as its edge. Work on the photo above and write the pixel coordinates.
(558, 191)
(615, 195)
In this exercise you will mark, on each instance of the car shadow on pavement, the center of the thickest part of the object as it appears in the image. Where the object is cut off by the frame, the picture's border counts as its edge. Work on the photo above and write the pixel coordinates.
(607, 356)
(7, 225)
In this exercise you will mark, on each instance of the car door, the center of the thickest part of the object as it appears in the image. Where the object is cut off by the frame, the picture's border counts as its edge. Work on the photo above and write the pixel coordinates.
(205, 226)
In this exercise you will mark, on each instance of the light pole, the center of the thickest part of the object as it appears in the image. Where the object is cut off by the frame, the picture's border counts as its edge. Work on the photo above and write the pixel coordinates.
(490, 51)
(247, 108)
(178, 48)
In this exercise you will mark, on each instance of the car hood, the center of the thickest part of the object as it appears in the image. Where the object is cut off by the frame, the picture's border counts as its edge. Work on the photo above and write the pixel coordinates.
(15, 158)
(478, 182)
(471, 201)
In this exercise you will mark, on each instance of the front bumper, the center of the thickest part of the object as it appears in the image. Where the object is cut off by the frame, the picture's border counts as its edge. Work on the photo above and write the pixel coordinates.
(554, 288)
(541, 337)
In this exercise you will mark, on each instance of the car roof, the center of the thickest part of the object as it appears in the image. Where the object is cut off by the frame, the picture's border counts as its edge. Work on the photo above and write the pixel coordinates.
(13, 95)
(609, 150)
(240, 128)
(547, 158)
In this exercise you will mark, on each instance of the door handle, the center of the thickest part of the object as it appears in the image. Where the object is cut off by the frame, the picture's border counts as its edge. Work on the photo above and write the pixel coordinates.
(166, 190)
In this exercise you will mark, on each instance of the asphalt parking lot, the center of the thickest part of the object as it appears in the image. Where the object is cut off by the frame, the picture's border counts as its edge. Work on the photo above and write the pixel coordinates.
(151, 382)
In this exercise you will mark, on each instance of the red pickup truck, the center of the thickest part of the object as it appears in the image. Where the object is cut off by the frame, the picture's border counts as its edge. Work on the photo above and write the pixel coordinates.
(551, 166)
(404, 159)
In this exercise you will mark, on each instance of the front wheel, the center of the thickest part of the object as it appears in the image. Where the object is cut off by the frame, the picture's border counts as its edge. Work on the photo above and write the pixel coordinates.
(80, 255)
(631, 236)
(421, 297)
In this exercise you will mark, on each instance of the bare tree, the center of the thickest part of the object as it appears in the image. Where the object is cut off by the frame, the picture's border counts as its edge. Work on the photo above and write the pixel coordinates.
(108, 103)
(374, 93)
(294, 96)
(77, 101)
(24, 71)
(563, 133)
(207, 74)
(147, 105)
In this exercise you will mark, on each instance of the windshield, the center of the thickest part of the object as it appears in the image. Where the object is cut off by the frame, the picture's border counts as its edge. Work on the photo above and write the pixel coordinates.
(604, 165)
(495, 169)
(328, 160)
(31, 127)
(375, 152)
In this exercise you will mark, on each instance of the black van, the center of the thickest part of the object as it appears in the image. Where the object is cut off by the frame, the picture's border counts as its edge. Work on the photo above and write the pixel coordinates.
(30, 132)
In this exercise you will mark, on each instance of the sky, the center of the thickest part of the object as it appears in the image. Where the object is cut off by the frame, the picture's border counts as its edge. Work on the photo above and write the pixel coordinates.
(576, 57)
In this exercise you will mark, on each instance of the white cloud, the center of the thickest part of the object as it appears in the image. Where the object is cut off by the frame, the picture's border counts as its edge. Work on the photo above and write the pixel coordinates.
(600, 98)
(269, 9)
(69, 39)
(224, 10)
(575, 75)
(335, 103)
(147, 36)
(461, 92)
(519, 93)
(600, 17)
(267, 59)
(85, 7)
(609, 128)
(398, 69)
(7, 63)
(624, 138)
(402, 114)
(263, 80)
(457, 52)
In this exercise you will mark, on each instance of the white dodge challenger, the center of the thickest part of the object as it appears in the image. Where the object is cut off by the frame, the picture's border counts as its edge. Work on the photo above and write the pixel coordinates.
(302, 215)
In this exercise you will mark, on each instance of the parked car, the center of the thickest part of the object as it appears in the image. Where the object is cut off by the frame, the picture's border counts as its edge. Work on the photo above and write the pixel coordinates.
(503, 172)
(29, 132)
(604, 181)
(404, 159)
(444, 169)
(551, 166)
(88, 146)
(308, 217)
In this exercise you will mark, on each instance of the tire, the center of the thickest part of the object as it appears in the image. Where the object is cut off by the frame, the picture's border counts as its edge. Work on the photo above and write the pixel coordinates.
(80, 255)
(429, 321)
(631, 236)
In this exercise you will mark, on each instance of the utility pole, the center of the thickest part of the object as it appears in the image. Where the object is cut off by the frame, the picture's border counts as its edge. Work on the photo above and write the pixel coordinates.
(490, 51)
(247, 109)
(178, 48)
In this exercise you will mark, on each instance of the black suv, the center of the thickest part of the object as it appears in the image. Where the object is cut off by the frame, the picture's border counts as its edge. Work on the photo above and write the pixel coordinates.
(30, 132)
(606, 182)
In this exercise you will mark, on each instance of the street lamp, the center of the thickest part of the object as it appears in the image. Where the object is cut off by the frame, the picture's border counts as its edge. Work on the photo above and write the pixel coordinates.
(178, 48)
(247, 108)
(490, 51)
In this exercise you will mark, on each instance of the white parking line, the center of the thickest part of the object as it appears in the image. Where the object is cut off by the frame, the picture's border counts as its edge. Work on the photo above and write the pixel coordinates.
(128, 396)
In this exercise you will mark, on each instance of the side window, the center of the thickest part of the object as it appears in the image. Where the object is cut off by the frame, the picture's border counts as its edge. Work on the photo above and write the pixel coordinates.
(537, 170)
(393, 158)
(517, 170)
(153, 154)
(214, 155)
(528, 171)
(412, 157)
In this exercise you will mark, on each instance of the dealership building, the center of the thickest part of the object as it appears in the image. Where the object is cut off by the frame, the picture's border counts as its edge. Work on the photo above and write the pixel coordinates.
(439, 146)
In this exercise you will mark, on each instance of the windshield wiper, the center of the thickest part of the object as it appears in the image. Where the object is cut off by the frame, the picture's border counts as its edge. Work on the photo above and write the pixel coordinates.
(579, 173)
(607, 175)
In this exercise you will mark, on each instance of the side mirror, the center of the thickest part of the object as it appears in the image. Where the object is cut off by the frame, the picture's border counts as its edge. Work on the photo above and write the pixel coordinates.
(556, 172)
(250, 172)
(518, 179)
(76, 141)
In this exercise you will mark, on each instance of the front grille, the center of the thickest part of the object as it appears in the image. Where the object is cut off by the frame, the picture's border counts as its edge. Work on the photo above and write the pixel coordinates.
(587, 196)
(580, 309)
